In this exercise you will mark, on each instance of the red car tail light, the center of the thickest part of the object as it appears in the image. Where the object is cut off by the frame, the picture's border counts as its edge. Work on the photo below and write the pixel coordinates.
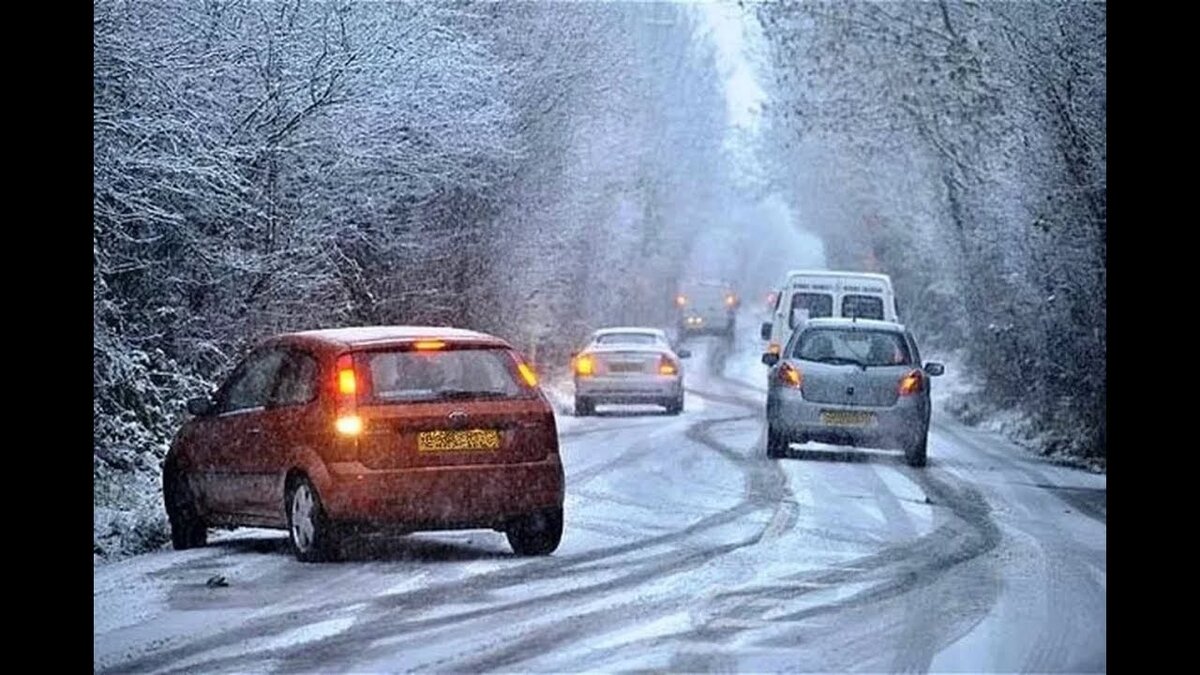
(347, 382)
(666, 366)
(348, 425)
(347, 422)
(790, 376)
(527, 374)
(911, 383)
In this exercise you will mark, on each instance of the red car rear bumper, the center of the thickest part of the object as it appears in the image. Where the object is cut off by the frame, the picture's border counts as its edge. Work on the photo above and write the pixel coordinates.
(443, 497)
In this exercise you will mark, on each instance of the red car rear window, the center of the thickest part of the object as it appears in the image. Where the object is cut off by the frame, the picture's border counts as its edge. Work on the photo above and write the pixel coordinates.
(409, 375)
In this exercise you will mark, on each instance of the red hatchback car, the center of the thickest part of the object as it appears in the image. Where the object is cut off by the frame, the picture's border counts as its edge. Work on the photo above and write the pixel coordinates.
(398, 428)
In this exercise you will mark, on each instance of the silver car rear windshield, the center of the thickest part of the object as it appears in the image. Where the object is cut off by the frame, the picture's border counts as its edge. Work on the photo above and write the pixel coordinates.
(407, 375)
(628, 339)
(861, 347)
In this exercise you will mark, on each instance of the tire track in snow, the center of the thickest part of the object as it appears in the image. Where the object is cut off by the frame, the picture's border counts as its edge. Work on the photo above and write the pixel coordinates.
(398, 621)
(1065, 563)
(345, 648)
(765, 485)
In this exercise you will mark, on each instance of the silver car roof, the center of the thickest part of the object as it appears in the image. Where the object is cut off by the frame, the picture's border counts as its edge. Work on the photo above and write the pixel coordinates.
(630, 329)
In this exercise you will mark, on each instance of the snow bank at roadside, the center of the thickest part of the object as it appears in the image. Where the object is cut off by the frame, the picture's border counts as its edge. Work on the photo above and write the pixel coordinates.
(559, 389)
(127, 511)
(960, 394)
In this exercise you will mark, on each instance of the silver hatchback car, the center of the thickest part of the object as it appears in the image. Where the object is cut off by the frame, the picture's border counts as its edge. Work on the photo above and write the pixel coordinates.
(628, 365)
(850, 382)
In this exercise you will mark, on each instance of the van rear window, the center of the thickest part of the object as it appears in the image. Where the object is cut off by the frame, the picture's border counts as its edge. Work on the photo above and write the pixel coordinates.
(862, 306)
(817, 305)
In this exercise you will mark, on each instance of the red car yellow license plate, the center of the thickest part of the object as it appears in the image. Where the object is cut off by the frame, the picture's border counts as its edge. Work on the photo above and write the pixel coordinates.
(467, 440)
(846, 418)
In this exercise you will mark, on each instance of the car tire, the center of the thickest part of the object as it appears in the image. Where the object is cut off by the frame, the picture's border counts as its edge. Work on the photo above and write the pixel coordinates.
(674, 406)
(310, 533)
(188, 529)
(777, 442)
(584, 407)
(916, 452)
(536, 534)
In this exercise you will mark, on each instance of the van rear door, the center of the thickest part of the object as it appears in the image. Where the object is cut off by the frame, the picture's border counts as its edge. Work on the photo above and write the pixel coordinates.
(862, 306)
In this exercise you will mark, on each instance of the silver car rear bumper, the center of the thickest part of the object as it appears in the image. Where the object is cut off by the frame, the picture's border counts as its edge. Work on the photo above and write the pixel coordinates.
(888, 427)
(629, 389)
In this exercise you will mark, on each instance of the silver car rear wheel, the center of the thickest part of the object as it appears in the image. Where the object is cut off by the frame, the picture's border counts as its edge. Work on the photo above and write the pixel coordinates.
(584, 407)
(916, 452)
(777, 442)
(674, 406)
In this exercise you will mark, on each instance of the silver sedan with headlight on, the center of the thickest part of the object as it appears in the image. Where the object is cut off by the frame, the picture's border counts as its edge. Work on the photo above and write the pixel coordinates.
(850, 382)
(628, 365)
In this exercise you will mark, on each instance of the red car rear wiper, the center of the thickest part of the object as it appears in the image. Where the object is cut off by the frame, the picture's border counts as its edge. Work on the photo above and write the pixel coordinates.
(454, 394)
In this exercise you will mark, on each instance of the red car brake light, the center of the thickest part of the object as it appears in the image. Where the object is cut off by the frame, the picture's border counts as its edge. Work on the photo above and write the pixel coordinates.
(527, 374)
(347, 422)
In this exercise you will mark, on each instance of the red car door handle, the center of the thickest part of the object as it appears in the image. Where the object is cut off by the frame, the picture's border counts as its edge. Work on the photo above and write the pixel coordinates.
(254, 430)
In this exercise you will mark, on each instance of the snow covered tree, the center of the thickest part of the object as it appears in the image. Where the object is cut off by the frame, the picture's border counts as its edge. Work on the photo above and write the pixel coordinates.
(961, 146)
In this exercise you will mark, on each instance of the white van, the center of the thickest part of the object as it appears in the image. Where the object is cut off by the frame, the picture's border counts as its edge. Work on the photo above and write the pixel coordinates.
(809, 294)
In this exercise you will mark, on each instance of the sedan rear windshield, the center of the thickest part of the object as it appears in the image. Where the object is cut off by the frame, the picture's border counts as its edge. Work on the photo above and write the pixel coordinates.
(628, 339)
(852, 346)
(440, 375)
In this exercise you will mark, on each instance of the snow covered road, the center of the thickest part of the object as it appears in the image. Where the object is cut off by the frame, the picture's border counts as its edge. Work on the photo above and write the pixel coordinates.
(685, 549)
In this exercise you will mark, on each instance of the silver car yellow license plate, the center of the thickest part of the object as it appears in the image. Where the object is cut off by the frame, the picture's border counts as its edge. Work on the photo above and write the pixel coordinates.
(847, 418)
